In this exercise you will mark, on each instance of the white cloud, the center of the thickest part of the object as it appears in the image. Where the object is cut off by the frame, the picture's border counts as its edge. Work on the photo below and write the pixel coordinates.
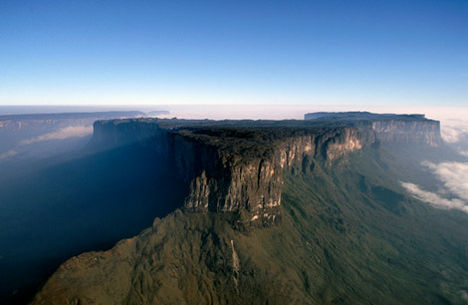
(463, 152)
(454, 178)
(450, 134)
(61, 134)
(8, 154)
(452, 131)
(434, 199)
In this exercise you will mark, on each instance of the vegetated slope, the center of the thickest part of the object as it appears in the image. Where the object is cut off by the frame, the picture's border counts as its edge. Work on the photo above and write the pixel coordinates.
(348, 235)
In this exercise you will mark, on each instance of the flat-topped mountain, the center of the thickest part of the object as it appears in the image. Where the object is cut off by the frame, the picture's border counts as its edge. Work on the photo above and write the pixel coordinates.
(38, 135)
(232, 165)
(363, 115)
(398, 128)
(278, 212)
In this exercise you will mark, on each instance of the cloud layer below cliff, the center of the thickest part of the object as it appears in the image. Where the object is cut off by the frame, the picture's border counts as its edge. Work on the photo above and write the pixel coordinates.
(453, 131)
(434, 199)
(454, 178)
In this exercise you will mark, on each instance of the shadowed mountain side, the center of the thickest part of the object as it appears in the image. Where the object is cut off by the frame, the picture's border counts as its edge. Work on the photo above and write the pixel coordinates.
(87, 203)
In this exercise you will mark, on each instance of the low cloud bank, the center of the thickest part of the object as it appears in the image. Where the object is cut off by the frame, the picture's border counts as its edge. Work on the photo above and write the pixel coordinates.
(452, 131)
(454, 175)
(434, 199)
(61, 134)
(454, 178)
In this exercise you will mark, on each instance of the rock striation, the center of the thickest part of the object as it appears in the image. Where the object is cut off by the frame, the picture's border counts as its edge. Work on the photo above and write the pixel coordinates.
(416, 132)
(230, 183)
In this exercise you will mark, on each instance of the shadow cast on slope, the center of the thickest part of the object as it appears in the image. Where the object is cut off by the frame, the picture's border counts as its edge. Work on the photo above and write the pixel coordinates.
(82, 204)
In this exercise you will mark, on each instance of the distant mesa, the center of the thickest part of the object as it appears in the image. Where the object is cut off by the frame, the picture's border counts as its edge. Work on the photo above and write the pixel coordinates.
(389, 127)
(158, 112)
(362, 115)
(19, 131)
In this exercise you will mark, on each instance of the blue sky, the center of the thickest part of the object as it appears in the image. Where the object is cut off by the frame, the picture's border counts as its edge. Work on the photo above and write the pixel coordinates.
(229, 52)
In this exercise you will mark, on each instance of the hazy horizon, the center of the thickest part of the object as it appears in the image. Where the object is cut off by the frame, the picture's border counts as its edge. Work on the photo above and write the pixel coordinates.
(230, 111)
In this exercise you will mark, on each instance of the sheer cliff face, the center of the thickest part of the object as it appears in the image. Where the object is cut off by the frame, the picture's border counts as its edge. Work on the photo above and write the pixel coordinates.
(223, 178)
(390, 128)
(419, 132)
(255, 185)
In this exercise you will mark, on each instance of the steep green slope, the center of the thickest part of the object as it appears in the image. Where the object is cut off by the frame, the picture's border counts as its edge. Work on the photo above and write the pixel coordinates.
(348, 235)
